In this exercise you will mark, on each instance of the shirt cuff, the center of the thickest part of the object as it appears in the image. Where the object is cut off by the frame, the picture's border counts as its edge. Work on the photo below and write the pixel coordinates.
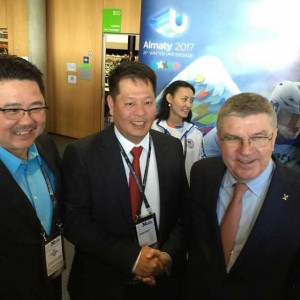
(136, 262)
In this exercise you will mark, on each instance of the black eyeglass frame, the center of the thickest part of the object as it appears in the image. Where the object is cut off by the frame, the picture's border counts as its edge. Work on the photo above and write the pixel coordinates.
(238, 141)
(19, 110)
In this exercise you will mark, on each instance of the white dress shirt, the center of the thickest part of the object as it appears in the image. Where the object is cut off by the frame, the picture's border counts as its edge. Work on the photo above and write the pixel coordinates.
(152, 183)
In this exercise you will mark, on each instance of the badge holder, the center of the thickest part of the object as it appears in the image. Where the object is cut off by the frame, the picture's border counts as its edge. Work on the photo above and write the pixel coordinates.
(53, 255)
(147, 231)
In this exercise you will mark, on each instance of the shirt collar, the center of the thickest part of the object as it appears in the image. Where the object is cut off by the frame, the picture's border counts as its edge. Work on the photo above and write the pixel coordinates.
(13, 162)
(257, 184)
(128, 145)
(163, 123)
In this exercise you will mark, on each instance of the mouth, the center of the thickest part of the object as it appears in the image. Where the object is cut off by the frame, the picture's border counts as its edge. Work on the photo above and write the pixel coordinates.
(22, 132)
(246, 162)
(138, 123)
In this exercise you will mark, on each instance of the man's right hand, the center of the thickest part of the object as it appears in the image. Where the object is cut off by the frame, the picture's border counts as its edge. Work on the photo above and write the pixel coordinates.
(149, 263)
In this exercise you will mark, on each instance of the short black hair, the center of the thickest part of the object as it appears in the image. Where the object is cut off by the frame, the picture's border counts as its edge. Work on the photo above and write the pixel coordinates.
(130, 70)
(16, 68)
(164, 108)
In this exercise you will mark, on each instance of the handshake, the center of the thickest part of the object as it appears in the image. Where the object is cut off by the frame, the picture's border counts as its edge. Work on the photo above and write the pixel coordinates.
(151, 263)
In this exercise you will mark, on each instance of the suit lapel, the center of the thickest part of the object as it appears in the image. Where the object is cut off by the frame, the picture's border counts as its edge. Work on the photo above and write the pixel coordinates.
(212, 187)
(14, 196)
(109, 152)
(271, 213)
(163, 175)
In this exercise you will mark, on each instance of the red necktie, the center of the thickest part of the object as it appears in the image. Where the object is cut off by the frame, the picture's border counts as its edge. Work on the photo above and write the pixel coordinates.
(134, 192)
(231, 220)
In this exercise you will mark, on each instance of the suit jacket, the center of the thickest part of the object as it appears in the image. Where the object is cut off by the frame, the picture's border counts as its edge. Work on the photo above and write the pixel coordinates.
(267, 266)
(21, 265)
(97, 214)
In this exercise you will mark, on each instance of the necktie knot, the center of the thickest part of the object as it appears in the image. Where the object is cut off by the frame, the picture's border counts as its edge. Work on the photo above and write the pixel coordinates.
(239, 189)
(136, 152)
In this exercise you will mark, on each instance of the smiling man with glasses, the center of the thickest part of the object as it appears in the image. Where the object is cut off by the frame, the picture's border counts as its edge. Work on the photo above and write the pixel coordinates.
(31, 254)
(244, 211)
(247, 132)
(285, 98)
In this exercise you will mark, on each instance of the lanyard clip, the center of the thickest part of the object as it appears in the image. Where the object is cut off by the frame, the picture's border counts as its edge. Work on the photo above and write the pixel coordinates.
(59, 227)
(43, 234)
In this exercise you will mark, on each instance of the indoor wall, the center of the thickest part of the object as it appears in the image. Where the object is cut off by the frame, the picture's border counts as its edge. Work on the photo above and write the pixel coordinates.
(13, 16)
(74, 30)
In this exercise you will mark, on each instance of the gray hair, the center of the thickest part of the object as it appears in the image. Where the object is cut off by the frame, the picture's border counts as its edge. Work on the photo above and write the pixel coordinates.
(244, 105)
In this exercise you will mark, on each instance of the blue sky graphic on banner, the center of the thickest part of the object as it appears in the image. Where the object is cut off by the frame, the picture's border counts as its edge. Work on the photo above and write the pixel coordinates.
(221, 47)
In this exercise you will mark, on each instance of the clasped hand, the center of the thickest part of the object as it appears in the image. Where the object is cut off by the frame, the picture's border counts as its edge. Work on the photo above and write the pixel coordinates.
(152, 263)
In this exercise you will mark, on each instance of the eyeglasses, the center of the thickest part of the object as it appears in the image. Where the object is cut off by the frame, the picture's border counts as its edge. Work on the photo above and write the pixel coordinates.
(258, 141)
(18, 113)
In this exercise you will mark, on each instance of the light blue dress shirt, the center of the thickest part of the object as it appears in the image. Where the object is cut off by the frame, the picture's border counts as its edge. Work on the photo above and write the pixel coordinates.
(29, 176)
(252, 199)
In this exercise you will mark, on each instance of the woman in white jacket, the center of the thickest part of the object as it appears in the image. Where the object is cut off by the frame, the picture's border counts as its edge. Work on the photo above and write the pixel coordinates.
(174, 118)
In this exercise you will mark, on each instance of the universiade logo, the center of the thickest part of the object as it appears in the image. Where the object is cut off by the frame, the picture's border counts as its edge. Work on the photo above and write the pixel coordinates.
(169, 23)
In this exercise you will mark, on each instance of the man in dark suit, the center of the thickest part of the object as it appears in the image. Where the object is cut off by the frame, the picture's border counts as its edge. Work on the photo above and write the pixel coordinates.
(29, 188)
(257, 258)
(114, 258)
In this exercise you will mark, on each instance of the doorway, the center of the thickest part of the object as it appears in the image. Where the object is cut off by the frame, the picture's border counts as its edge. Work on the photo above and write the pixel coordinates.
(115, 46)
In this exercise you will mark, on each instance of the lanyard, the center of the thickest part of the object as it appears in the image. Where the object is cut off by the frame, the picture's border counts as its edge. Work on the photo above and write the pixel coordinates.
(140, 186)
(54, 204)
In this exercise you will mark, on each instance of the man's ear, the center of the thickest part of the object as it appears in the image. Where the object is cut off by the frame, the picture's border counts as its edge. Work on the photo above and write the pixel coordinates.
(110, 103)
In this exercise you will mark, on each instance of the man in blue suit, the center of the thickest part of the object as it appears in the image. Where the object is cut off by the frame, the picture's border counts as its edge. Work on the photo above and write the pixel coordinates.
(262, 261)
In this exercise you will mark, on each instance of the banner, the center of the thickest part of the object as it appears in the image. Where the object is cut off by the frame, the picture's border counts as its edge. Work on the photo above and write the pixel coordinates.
(221, 47)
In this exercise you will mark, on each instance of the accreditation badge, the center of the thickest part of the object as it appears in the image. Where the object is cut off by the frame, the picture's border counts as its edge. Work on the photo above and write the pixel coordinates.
(147, 231)
(54, 258)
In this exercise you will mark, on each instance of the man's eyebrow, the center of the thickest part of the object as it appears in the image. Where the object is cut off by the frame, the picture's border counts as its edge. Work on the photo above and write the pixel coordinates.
(18, 105)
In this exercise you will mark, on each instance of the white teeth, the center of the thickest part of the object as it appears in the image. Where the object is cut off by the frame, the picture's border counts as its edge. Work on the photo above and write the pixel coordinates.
(138, 123)
(22, 132)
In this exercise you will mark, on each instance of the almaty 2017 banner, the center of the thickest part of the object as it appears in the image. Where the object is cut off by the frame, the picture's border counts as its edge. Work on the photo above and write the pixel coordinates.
(222, 47)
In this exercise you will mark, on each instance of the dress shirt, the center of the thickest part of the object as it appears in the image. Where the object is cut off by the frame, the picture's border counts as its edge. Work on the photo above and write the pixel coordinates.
(29, 176)
(152, 184)
(252, 199)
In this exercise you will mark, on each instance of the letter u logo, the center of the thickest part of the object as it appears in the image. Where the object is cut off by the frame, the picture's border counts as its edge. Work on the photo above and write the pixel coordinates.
(177, 23)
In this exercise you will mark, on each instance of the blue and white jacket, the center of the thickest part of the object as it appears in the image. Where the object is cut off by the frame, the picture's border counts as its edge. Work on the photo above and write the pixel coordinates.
(191, 138)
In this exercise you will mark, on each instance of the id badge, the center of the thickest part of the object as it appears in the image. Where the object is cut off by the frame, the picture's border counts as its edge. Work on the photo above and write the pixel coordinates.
(54, 258)
(146, 231)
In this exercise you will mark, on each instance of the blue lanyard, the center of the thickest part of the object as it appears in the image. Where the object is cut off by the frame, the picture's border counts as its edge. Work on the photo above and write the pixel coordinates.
(54, 204)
